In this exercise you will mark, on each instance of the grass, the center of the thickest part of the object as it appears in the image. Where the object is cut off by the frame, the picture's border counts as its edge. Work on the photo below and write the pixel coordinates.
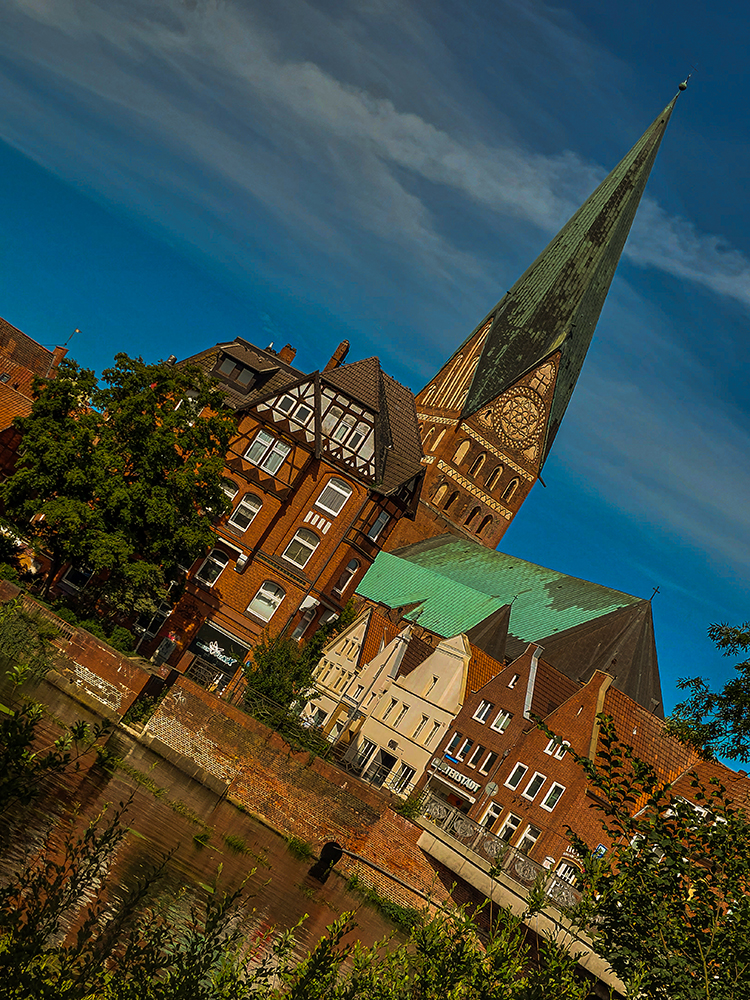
(202, 838)
(404, 917)
(236, 844)
(300, 849)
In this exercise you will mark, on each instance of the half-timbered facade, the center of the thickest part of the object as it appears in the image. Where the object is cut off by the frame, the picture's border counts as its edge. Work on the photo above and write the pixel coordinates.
(321, 469)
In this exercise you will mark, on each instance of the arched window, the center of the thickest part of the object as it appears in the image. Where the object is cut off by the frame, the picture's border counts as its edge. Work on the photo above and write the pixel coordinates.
(430, 394)
(333, 496)
(494, 477)
(474, 512)
(451, 500)
(484, 524)
(301, 547)
(437, 440)
(510, 489)
(211, 568)
(346, 577)
(230, 488)
(428, 435)
(460, 453)
(440, 493)
(267, 600)
(243, 514)
(474, 470)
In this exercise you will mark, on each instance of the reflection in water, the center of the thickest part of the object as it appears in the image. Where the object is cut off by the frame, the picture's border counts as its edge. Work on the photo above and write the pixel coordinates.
(167, 811)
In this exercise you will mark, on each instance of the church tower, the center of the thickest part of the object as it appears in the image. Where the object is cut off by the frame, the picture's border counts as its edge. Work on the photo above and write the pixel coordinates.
(489, 417)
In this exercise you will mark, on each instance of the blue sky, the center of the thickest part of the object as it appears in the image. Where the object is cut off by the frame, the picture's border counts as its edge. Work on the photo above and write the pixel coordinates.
(176, 173)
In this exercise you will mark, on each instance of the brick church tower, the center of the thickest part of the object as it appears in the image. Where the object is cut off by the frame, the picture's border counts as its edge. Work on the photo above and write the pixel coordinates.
(489, 417)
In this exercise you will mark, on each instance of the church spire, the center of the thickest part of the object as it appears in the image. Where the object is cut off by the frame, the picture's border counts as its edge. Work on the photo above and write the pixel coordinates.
(555, 304)
(490, 415)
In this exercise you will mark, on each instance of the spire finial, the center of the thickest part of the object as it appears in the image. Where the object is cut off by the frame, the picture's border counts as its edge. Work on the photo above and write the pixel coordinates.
(683, 85)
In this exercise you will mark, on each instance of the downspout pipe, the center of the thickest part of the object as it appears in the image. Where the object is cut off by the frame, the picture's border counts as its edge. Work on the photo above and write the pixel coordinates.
(538, 650)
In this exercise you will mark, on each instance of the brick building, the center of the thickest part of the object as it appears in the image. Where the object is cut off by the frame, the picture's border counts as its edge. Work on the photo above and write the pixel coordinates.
(322, 468)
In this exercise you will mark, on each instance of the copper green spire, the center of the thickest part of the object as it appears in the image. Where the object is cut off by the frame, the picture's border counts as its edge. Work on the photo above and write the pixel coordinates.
(555, 305)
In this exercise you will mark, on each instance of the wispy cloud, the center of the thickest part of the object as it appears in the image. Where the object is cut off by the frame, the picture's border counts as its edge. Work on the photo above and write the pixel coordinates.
(174, 104)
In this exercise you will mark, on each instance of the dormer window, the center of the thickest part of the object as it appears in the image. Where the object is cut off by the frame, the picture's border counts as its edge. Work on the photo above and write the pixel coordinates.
(233, 370)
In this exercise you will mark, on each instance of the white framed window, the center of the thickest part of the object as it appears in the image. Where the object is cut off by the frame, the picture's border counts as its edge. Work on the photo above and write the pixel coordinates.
(557, 749)
(400, 716)
(348, 574)
(531, 791)
(483, 710)
(303, 624)
(491, 814)
(516, 776)
(474, 759)
(301, 547)
(286, 404)
(243, 514)
(302, 414)
(513, 681)
(562, 750)
(267, 452)
(568, 872)
(404, 776)
(452, 746)
(552, 797)
(432, 734)
(333, 496)
(488, 762)
(230, 488)
(418, 731)
(501, 722)
(375, 530)
(465, 747)
(509, 827)
(390, 708)
(530, 836)
(211, 568)
(266, 602)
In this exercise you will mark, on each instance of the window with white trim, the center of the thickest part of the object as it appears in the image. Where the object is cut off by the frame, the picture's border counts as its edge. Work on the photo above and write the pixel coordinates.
(474, 759)
(491, 815)
(509, 827)
(243, 514)
(286, 404)
(333, 496)
(552, 797)
(562, 750)
(230, 488)
(465, 747)
(501, 722)
(404, 776)
(488, 762)
(531, 790)
(212, 566)
(302, 414)
(266, 602)
(303, 624)
(530, 837)
(347, 575)
(400, 716)
(374, 531)
(267, 452)
(483, 710)
(301, 547)
(451, 748)
(516, 776)
(513, 681)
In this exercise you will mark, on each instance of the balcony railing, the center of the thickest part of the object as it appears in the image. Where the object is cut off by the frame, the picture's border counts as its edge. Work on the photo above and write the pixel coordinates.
(478, 839)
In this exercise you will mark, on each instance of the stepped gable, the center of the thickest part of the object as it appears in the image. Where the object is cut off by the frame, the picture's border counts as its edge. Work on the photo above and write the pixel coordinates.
(621, 643)
(461, 584)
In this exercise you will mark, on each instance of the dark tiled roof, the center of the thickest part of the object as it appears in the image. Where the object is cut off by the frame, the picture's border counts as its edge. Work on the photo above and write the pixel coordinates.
(416, 652)
(403, 460)
(491, 634)
(24, 351)
(360, 380)
(274, 373)
(12, 404)
(380, 631)
(482, 668)
(551, 689)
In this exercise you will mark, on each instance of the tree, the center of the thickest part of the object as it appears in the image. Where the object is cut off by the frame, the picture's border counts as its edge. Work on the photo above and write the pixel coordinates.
(122, 478)
(669, 906)
(282, 671)
(717, 723)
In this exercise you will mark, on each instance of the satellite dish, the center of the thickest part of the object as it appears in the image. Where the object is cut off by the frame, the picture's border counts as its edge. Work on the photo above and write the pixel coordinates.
(490, 789)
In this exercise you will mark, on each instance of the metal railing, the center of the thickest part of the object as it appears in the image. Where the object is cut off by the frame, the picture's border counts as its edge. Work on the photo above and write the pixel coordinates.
(476, 838)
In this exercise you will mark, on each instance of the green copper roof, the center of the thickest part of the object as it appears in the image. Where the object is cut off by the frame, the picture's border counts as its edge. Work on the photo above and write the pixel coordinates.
(460, 583)
(555, 305)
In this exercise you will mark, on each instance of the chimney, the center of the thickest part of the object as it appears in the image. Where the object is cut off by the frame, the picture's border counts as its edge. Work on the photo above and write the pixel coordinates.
(287, 354)
(57, 355)
(337, 358)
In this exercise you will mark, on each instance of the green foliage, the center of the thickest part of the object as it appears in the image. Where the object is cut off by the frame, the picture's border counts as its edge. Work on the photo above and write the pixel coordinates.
(405, 917)
(236, 844)
(717, 723)
(122, 477)
(116, 636)
(202, 838)
(26, 653)
(282, 671)
(299, 848)
(668, 907)
(142, 709)
(410, 808)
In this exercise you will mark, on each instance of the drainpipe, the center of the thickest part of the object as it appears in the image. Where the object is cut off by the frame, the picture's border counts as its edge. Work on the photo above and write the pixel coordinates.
(538, 650)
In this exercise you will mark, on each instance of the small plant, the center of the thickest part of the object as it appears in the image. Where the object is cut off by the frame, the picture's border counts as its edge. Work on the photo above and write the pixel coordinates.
(299, 848)
(142, 709)
(202, 838)
(236, 844)
(410, 808)
(107, 759)
(405, 917)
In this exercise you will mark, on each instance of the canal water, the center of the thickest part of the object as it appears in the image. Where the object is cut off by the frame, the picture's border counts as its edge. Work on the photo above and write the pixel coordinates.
(167, 813)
